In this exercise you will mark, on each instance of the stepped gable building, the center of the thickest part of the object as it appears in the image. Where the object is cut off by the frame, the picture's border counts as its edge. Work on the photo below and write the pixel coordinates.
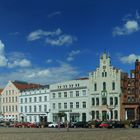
(10, 99)
(130, 101)
(105, 90)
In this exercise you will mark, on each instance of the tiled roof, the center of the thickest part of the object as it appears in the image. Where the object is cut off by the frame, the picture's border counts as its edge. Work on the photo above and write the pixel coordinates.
(24, 85)
(1, 91)
(84, 78)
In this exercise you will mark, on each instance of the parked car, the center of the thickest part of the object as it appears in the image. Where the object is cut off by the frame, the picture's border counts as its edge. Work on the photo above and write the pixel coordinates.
(135, 124)
(104, 124)
(81, 124)
(53, 124)
(18, 124)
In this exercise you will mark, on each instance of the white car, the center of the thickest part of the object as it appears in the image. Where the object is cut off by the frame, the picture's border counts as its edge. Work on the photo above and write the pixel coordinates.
(53, 124)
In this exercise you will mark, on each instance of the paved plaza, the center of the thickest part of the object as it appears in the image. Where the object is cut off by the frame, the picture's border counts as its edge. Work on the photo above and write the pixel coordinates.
(72, 134)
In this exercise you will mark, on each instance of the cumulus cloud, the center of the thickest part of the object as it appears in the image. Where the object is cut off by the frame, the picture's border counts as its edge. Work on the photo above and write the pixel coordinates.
(37, 34)
(129, 59)
(54, 38)
(3, 59)
(12, 60)
(130, 25)
(61, 40)
(62, 72)
(72, 55)
(19, 63)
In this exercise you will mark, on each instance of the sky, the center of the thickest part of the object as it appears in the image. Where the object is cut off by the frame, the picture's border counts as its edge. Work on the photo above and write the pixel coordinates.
(47, 41)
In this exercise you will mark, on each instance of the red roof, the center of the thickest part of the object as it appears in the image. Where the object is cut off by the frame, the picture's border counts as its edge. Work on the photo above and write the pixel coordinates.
(1, 91)
(23, 85)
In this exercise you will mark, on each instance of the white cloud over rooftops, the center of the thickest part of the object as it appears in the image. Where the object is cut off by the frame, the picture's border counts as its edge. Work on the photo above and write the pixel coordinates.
(129, 59)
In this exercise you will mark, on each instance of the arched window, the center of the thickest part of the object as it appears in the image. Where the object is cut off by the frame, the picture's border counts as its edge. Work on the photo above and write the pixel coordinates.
(97, 114)
(93, 114)
(95, 87)
(116, 100)
(93, 101)
(113, 85)
(104, 86)
(116, 114)
(111, 100)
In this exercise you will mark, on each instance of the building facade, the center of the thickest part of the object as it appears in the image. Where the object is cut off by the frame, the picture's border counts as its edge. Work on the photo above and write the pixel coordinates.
(10, 99)
(105, 91)
(69, 100)
(34, 104)
(130, 102)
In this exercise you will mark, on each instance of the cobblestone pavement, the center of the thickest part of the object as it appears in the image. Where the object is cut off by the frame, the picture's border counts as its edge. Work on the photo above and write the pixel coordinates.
(72, 134)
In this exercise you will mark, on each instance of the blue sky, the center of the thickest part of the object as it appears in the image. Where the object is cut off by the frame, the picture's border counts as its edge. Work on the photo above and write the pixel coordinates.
(46, 41)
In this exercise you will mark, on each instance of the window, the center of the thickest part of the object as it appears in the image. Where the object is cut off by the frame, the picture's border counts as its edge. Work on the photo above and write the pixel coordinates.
(45, 98)
(65, 105)
(59, 105)
(71, 93)
(53, 95)
(71, 104)
(104, 101)
(97, 114)
(21, 100)
(30, 99)
(59, 94)
(25, 100)
(105, 74)
(53, 105)
(9, 99)
(116, 100)
(102, 74)
(25, 109)
(77, 93)
(13, 108)
(40, 108)
(84, 104)
(40, 99)
(113, 86)
(21, 108)
(16, 98)
(84, 92)
(30, 108)
(12, 99)
(104, 86)
(16, 108)
(34, 99)
(65, 94)
(9, 108)
(95, 87)
(93, 115)
(77, 104)
(93, 101)
(116, 114)
(97, 101)
(111, 100)
(34, 108)
(45, 108)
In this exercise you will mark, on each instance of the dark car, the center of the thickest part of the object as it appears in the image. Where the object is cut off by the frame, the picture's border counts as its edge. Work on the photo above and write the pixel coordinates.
(81, 125)
(135, 124)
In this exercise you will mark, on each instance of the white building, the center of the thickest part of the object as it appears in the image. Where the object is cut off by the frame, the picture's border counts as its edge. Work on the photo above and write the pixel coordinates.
(70, 98)
(34, 104)
(105, 90)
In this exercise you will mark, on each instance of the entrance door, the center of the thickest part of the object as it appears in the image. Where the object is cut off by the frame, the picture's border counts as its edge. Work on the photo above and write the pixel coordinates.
(104, 115)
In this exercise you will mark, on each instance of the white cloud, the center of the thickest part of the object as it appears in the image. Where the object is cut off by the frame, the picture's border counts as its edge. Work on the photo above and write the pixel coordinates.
(54, 14)
(129, 27)
(19, 63)
(72, 54)
(55, 38)
(61, 40)
(3, 59)
(49, 61)
(41, 75)
(131, 24)
(40, 33)
(129, 59)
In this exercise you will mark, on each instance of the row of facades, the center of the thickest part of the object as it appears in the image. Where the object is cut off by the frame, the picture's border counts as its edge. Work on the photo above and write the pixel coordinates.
(107, 93)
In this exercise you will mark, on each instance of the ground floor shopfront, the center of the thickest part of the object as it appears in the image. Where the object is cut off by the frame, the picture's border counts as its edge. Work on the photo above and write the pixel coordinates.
(130, 111)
